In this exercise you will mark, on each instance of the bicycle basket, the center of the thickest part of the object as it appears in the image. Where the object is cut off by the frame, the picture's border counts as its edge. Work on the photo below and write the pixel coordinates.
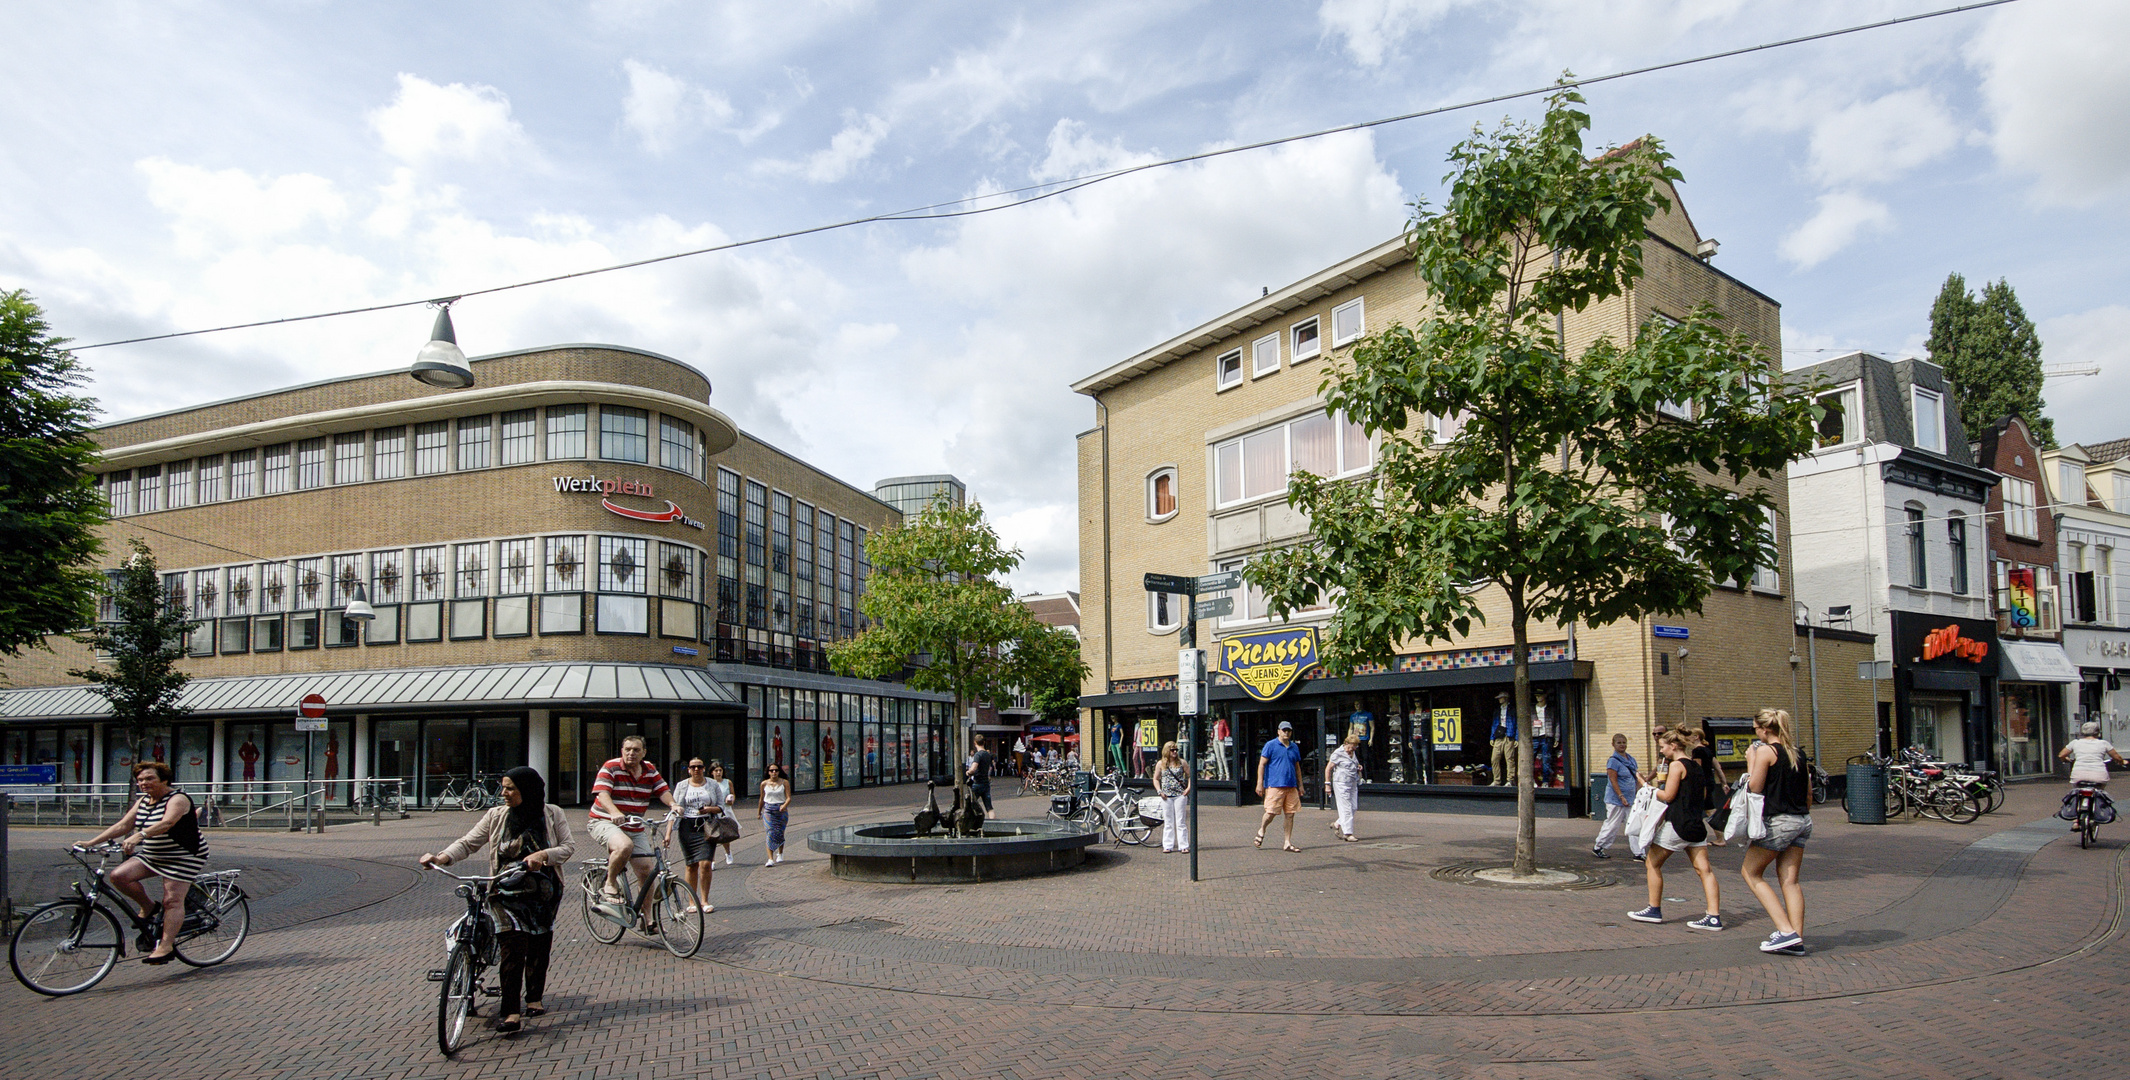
(1064, 805)
(2103, 809)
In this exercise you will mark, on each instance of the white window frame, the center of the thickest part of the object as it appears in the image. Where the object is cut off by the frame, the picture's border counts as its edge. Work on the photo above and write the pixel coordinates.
(2020, 516)
(1153, 514)
(1315, 348)
(2122, 493)
(1260, 350)
(1441, 433)
(1769, 578)
(1920, 400)
(2070, 482)
(1158, 604)
(1221, 379)
(1360, 323)
(1251, 607)
(1852, 415)
(1286, 429)
(1677, 410)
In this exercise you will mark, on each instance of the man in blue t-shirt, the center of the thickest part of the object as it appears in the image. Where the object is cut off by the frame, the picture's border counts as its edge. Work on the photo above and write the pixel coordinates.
(1279, 781)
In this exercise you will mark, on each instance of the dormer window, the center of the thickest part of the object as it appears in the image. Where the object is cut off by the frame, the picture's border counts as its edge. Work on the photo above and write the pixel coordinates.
(1840, 422)
(1929, 409)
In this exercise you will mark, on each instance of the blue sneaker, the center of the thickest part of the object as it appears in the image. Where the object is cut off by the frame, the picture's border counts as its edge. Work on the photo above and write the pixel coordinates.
(1648, 914)
(1706, 922)
(1782, 942)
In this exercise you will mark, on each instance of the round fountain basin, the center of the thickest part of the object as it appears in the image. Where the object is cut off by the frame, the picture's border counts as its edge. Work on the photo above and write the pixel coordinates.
(892, 851)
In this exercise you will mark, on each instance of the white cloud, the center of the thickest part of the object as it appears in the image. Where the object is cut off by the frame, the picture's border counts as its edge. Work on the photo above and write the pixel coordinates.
(207, 208)
(1842, 215)
(2088, 408)
(426, 122)
(2056, 79)
(1071, 151)
(846, 151)
(1373, 29)
(1876, 141)
(664, 110)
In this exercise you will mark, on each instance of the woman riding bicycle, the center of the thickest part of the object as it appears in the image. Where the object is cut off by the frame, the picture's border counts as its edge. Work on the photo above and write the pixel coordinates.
(2089, 755)
(162, 836)
(525, 829)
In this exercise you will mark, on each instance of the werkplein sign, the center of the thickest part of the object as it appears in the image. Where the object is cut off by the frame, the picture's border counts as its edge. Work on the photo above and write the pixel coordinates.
(1267, 663)
(607, 489)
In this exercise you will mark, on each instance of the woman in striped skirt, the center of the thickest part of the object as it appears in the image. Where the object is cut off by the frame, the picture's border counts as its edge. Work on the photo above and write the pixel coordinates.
(163, 839)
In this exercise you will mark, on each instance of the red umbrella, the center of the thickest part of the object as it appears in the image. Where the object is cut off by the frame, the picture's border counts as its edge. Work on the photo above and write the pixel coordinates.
(1046, 738)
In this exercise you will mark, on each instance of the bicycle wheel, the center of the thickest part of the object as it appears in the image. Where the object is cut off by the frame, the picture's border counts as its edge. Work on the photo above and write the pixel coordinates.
(679, 928)
(225, 921)
(1126, 826)
(1896, 801)
(605, 931)
(1956, 804)
(64, 947)
(455, 999)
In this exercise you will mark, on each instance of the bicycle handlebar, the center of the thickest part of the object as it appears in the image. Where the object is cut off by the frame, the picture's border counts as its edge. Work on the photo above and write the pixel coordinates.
(487, 879)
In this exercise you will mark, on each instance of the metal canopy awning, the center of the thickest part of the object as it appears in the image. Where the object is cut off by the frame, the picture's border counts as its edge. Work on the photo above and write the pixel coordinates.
(2035, 661)
(529, 685)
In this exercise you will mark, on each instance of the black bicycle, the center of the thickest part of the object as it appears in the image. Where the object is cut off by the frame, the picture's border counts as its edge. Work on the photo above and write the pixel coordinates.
(70, 944)
(673, 913)
(2086, 814)
(473, 950)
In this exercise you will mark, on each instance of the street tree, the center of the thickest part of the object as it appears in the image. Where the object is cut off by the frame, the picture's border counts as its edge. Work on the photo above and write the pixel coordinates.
(1570, 487)
(49, 507)
(144, 639)
(1990, 351)
(939, 609)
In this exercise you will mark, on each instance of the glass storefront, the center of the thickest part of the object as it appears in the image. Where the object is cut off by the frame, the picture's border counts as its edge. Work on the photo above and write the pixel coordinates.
(65, 747)
(2029, 727)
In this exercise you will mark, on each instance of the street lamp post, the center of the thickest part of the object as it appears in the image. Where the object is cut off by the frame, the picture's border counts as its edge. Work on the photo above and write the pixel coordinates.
(1812, 661)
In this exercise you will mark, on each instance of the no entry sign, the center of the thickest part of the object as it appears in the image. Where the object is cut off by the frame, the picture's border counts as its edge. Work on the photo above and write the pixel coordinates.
(312, 712)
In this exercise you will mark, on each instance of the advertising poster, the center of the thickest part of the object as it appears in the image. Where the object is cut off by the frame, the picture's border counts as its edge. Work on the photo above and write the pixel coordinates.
(1449, 728)
(802, 734)
(828, 755)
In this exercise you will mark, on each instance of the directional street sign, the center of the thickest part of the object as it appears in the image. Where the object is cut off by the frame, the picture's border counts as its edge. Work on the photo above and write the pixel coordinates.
(1224, 581)
(1170, 583)
(1214, 609)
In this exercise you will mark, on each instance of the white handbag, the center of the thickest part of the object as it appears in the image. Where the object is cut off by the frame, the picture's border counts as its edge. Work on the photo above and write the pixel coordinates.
(1745, 809)
(1756, 816)
(1643, 819)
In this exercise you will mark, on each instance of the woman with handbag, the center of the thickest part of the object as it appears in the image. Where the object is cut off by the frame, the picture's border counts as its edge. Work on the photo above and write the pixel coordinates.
(527, 839)
(1776, 773)
(697, 800)
(1684, 798)
(725, 827)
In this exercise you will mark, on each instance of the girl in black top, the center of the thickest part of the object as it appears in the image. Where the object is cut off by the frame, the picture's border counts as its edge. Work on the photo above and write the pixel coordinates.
(1685, 803)
(1713, 782)
(1776, 770)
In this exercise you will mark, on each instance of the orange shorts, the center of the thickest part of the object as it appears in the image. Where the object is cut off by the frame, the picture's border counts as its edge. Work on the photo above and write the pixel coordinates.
(1283, 800)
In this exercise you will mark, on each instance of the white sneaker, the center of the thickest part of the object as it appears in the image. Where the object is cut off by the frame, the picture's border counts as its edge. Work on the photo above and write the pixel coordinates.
(728, 858)
(770, 861)
(779, 857)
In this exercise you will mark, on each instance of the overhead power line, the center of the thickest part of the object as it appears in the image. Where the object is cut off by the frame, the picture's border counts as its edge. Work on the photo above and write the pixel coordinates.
(986, 203)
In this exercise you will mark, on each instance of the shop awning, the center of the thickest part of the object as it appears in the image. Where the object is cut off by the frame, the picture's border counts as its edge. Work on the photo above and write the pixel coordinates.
(2034, 661)
(528, 685)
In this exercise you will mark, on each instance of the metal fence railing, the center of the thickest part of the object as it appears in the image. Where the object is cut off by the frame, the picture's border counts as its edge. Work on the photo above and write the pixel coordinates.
(226, 804)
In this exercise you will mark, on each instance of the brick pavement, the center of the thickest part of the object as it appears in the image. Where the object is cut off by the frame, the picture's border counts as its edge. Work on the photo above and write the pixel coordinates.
(1934, 956)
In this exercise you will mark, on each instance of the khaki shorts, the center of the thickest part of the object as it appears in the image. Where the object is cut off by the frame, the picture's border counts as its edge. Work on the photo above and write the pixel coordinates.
(1283, 800)
(610, 835)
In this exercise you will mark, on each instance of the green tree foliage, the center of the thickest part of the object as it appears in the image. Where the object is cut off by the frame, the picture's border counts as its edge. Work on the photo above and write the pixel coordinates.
(144, 642)
(1989, 350)
(49, 508)
(936, 599)
(1566, 487)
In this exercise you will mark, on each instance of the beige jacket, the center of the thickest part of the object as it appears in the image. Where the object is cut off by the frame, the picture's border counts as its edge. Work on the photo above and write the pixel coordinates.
(489, 829)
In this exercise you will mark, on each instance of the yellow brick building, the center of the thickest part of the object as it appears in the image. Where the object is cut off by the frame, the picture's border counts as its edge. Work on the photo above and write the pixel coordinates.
(1184, 473)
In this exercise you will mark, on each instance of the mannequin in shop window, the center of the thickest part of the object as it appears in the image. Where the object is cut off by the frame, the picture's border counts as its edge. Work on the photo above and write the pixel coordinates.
(1503, 738)
(1542, 740)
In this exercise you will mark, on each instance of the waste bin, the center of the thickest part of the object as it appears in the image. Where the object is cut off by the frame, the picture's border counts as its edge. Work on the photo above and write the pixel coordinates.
(1866, 797)
(1598, 783)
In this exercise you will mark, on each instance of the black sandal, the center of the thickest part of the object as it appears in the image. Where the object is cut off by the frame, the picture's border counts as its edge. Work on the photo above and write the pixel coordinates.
(535, 1010)
(509, 1027)
(157, 961)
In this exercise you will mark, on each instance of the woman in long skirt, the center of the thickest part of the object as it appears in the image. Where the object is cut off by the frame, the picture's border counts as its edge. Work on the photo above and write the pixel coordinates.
(1343, 775)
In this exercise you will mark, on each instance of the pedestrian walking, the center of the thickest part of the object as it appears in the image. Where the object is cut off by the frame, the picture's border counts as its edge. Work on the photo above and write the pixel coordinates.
(1172, 778)
(697, 799)
(774, 806)
(1683, 796)
(722, 832)
(980, 773)
(1342, 774)
(1775, 769)
(1623, 777)
(1279, 782)
(525, 831)
(1713, 782)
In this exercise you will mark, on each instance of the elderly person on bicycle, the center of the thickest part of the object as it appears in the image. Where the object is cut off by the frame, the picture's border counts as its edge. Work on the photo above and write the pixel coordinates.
(162, 838)
(2089, 755)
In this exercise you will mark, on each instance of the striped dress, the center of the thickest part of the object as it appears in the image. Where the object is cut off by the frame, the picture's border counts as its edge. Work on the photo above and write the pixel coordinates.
(181, 853)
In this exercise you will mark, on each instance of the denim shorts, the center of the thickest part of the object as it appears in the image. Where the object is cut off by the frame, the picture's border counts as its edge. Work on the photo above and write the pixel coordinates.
(1785, 831)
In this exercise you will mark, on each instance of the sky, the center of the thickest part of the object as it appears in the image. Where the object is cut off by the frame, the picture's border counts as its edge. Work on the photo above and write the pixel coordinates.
(182, 164)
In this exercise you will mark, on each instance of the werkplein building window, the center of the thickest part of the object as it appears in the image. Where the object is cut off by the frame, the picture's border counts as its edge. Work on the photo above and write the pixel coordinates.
(2019, 515)
(624, 434)
(177, 485)
(275, 470)
(348, 452)
(677, 446)
(1928, 408)
(310, 464)
(518, 444)
(475, 436)
(388, 453)
(432, 448)
(243, 474)
(565, 432)
(210, 480)
(1257, 465)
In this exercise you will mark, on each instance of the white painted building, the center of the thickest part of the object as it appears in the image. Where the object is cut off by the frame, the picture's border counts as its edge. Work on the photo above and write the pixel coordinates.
(2089, 490)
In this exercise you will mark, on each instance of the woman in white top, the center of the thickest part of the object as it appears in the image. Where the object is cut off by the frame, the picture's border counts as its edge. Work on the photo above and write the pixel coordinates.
(696, 799)
(775, 809)
(1343, 775)
(2089, 755)
(725, 799)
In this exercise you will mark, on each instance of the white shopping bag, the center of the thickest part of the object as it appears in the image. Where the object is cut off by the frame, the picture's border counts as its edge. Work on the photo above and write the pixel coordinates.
(1745, 810)
(1643, 818)
(1756, 819)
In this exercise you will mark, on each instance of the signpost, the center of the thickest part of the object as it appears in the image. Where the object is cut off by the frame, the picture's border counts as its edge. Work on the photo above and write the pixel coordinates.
(1192, 696)
(310, 719)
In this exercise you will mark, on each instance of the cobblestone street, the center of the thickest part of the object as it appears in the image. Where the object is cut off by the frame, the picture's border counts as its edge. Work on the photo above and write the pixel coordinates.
(1936, 950)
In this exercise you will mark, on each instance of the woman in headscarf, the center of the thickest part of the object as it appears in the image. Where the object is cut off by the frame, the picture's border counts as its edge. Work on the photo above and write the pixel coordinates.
(530, 832)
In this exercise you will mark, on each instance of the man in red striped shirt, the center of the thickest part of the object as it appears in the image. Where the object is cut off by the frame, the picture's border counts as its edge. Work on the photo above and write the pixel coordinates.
(625, 788)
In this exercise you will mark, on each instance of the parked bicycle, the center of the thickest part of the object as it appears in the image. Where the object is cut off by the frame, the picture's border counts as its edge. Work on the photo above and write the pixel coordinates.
(1109, 807)
(1048, 780)
(471, 950)
(70, 944)
(1927, 789)
(372, 795)
(471, 795)
(668, 917)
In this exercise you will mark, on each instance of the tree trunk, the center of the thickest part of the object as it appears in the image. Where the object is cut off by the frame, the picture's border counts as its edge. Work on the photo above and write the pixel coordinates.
(1526, 782)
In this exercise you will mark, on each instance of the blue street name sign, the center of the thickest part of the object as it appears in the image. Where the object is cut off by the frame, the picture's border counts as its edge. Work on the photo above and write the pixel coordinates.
(29, 774)
(1661, 630)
